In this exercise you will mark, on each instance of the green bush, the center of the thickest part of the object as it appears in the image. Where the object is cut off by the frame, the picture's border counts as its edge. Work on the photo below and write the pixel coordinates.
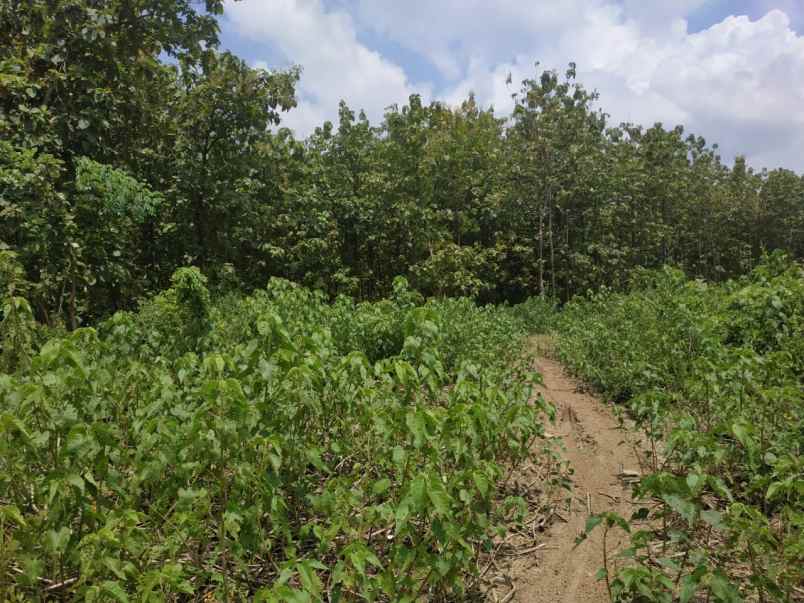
(272, 447)
(714, 376)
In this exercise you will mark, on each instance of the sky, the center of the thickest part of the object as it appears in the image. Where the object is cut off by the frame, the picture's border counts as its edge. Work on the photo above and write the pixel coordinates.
(731, 71)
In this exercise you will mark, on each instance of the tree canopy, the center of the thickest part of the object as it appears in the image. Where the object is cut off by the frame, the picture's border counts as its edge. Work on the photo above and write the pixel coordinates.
(132, 145)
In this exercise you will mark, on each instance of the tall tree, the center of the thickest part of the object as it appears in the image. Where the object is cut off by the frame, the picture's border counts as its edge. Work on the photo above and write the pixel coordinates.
(223, 111)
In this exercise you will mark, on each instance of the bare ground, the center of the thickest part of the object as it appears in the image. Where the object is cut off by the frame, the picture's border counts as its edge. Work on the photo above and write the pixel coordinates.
(556, 571)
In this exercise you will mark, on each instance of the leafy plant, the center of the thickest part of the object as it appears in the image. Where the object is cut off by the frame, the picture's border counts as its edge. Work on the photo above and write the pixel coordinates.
(713, 375)
(240, 449)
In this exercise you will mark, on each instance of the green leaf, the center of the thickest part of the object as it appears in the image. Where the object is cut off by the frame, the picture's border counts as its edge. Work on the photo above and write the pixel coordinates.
(401, 515)
(359, 554)
(689, 586)
(76, 480)
(601, 574)
(380, 486)
(695, 482)
(56, 541)
(115, 590)
(592, 522)
(309, 580)
(439, 498)
(723, 589)
(713, 518)
(774, 489)
(615, 519)
(415, 421)
(13, 513)
(481, 482)
(687, 509)
(399, 456)
(314, 456)
(720, 488)
(742, 432)
(418, 492)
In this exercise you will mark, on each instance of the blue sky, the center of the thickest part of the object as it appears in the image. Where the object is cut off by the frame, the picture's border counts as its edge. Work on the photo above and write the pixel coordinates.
(729, 70)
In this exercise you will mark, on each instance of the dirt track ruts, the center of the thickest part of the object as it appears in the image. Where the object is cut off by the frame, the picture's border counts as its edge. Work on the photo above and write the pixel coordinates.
(597, 452)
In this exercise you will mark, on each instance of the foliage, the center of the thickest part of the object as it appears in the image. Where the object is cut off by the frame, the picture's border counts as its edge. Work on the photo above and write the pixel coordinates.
(17, 327)
(713, 375)
(223, 112)
(220, 437)
(91, 117)
(264, 456)
(37, 224)
(118, 194)
(550, 200)
(456, 270)
(111, 209)
(538, 313)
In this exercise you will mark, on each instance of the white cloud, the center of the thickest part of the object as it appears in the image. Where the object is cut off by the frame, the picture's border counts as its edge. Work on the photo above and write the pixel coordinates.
(453, 34)
(335, 64)
(742, 81)
(794, 9)
(739, 83)
(655, 17)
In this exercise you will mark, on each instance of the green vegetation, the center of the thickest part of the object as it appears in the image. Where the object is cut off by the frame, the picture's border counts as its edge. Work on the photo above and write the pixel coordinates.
(172, 428)
(118, 167)
(273, 446)
(714, 375)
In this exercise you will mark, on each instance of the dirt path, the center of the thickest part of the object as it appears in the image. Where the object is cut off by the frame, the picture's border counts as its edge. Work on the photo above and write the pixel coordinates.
(597, 453)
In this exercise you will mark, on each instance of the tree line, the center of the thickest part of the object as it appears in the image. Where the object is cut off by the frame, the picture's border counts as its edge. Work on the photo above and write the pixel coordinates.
(131, 144)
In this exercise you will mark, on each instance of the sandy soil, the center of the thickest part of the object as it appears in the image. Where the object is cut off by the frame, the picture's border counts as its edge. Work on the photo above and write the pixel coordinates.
(594, 446)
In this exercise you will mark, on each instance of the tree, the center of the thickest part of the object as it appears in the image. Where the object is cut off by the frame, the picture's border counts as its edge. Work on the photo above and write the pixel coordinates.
(554, 136)
(82, 76)
(223, 114)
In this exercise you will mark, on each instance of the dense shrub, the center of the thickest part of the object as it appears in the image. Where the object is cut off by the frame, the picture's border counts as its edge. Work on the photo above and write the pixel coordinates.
(714, 376)
(273, 446)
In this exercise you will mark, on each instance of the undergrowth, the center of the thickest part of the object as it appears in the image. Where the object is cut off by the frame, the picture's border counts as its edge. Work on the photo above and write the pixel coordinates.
(274, 447)
(714, 375)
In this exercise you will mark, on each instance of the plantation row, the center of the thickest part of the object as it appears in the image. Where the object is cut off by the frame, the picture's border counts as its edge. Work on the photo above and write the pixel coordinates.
(714, 375)
(273, 446)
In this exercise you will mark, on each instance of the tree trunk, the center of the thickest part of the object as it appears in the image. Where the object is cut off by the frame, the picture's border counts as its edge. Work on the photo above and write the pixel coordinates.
(541, 251)
(552, 247)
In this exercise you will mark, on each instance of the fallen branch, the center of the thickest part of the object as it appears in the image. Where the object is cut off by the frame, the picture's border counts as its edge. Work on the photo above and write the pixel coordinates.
(614, 499)
(61, 584)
